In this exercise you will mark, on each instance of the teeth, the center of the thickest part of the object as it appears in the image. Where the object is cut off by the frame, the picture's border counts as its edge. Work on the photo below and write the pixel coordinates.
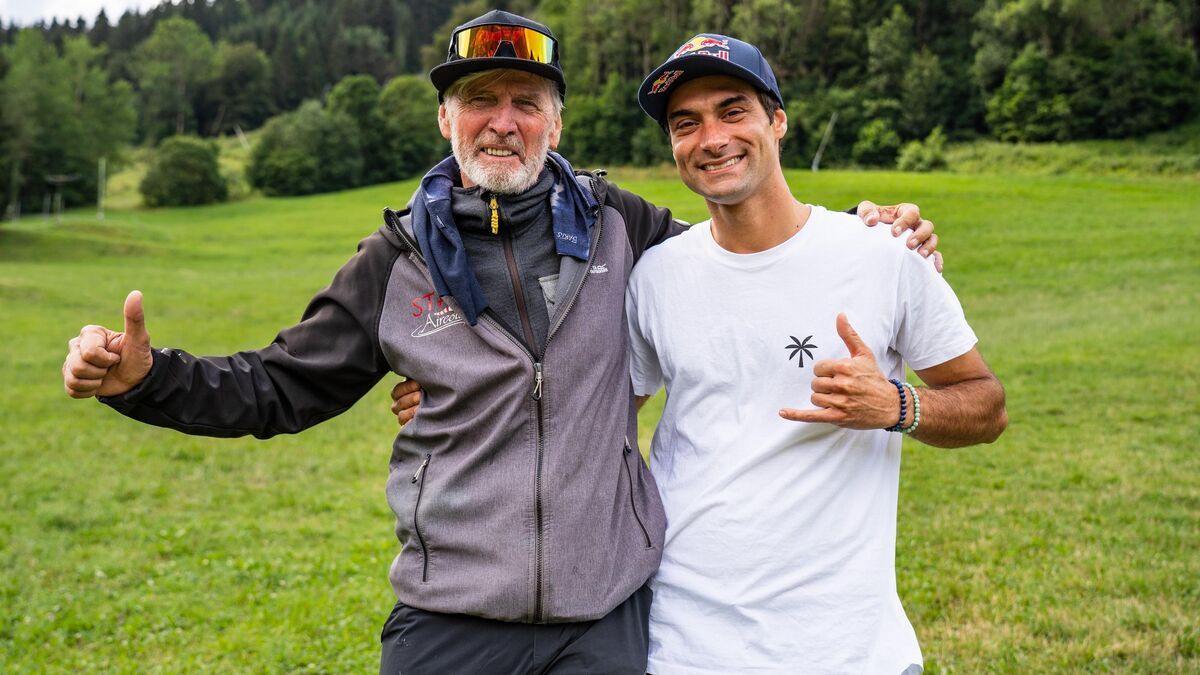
(722, 165)
(499, 153)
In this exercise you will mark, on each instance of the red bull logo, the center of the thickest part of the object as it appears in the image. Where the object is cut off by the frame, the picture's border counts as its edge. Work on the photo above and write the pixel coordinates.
(704, 45)
(660, 85)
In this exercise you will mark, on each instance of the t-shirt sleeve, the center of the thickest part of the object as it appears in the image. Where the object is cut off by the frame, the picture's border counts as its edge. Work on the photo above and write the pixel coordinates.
(644, 369)
(645, 223)
(930, 326)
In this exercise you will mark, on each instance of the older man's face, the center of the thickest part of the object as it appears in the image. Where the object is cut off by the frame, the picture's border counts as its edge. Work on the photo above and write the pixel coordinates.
(501, 129)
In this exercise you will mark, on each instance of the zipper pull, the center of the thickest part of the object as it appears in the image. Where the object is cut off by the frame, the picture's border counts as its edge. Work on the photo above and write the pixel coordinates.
(537, 381)
(420, 469)
(495, 215)
(628, 448)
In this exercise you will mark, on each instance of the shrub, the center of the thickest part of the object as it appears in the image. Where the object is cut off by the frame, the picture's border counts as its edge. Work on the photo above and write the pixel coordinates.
(877, 144)
(409, 107)
(1153, 85)
(1029, 106)
(927, 156)
(357, 97)
(306, 151)
(183, 172)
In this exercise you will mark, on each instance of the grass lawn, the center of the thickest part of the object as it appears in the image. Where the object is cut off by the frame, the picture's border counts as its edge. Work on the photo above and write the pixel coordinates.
(1068, 546)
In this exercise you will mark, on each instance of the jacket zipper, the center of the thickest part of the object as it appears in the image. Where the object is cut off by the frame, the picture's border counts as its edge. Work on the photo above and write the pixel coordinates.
(538, 383)
(632, 501)
(419, 479)
(518, 288)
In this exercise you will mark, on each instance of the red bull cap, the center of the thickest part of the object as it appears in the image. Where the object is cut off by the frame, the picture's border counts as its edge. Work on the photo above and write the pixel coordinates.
(705, 54)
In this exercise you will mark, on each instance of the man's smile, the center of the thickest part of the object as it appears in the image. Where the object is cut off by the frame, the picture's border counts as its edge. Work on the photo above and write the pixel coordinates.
(493, 151)
(722, 164)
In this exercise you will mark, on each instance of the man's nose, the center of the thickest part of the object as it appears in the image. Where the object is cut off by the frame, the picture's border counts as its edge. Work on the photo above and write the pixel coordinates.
(503, 120)
(713, 139)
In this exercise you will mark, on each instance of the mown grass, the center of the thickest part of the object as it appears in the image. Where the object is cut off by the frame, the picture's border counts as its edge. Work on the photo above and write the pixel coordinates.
(1068, 546)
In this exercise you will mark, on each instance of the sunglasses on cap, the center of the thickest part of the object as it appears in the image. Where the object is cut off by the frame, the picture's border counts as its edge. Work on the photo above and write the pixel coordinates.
(489, 41)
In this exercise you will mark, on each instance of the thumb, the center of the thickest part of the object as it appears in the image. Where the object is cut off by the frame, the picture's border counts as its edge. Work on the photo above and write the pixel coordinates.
(853, 341)
(135, 322)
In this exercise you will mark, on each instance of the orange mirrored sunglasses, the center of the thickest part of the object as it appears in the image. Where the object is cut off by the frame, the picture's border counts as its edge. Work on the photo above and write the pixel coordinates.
(486, 42)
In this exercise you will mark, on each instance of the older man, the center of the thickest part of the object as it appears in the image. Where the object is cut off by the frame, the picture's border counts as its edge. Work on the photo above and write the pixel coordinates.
(529, 523)
(779, 555)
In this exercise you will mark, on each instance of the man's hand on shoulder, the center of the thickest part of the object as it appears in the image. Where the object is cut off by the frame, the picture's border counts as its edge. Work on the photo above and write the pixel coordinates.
(904, 217)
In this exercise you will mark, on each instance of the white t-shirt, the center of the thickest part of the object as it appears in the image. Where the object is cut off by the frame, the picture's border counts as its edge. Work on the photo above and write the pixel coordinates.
(780, 545)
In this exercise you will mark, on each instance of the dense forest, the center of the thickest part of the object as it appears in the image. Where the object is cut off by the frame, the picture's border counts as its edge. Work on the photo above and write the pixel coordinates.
(346, 77)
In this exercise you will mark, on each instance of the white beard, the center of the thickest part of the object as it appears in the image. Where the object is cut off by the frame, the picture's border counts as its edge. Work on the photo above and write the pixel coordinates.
(499, 179)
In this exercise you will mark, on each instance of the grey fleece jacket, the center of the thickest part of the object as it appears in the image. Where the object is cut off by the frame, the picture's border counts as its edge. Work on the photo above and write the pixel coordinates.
(518, 490)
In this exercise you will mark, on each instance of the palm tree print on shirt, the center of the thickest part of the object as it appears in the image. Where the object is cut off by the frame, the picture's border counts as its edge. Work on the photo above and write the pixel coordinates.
(801, 348)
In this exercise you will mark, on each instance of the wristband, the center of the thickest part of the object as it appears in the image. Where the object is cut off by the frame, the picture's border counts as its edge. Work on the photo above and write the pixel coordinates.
(899, 426)
(916, 409)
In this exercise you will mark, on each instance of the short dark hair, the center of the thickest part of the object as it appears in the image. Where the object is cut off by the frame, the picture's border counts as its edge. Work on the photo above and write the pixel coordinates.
(768, 103)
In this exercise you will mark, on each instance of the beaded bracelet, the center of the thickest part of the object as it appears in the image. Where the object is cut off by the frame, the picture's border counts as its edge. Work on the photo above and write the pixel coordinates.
(899, 426)
(916, 409)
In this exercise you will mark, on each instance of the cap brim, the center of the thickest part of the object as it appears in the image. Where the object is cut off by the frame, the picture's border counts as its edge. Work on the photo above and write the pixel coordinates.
(446, 74)
(692, 67)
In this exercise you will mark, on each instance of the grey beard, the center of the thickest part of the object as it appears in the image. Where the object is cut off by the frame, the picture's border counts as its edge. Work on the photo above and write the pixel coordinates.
(502, 182)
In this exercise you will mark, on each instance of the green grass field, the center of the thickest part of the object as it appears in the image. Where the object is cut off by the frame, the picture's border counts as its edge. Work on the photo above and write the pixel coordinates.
(1070, 545)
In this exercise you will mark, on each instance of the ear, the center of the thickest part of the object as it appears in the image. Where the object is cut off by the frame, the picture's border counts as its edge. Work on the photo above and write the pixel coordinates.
(444, 122)
(556, 132)
(779, 124)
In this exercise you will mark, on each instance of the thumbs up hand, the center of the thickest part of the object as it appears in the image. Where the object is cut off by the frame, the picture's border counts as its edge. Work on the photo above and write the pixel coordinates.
(851, 393)
(102, 362)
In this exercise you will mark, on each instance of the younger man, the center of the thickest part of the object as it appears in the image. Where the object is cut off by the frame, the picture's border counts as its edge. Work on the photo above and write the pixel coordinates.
(780, 545)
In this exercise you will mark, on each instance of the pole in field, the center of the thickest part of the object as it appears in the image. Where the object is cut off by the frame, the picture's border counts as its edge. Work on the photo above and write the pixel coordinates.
(101, 188)
(816, 163)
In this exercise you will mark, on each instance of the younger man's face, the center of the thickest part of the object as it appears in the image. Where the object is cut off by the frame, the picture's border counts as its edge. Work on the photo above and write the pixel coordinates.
(725, 146)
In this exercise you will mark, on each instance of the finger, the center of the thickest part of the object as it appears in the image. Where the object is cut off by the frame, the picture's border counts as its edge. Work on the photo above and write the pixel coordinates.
(84, 387)
(406, 416)
(406, 402)
(938, 263)
(92, 346)
(907, 217)
(825, 385)
(827, 368)
(811, 416)
(135, 322)
(83, 370)
(869, 212)
(404, 387)
(929, 246)
(79, 393)
(829, 401)
(921, 234)
(853, 340)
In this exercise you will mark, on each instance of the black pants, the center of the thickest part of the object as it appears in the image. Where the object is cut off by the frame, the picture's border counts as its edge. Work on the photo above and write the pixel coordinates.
(416, 642)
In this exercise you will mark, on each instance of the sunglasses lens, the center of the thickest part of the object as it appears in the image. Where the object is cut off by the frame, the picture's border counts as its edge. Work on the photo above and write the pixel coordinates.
(489, 41)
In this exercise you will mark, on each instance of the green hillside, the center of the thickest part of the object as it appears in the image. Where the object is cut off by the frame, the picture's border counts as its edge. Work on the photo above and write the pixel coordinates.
(1068, 546)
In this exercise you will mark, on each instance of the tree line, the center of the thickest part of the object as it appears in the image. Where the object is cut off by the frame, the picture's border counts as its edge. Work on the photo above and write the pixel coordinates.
(903, 76)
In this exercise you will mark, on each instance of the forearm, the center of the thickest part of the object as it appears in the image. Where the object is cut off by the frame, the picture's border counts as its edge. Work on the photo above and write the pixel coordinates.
(964, 413)
(261, 393)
